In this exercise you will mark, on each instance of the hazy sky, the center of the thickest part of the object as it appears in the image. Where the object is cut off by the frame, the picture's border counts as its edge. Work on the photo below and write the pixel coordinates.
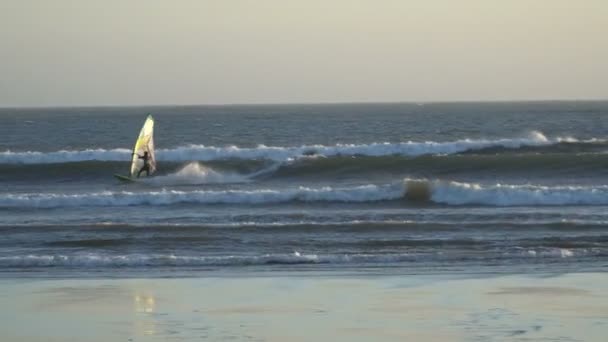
(121, 52)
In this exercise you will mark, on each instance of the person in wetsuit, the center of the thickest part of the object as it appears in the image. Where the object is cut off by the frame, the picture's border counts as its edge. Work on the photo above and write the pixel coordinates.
(146, 167)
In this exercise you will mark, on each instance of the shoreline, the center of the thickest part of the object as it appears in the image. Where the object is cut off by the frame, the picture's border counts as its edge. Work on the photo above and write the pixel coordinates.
(309, 271)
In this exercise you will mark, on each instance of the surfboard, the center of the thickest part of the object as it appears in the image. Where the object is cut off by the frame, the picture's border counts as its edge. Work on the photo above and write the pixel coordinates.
(124, 178)
(143, 144)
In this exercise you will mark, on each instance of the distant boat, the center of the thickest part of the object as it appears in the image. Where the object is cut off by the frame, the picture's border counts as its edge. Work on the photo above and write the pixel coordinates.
(143, 154)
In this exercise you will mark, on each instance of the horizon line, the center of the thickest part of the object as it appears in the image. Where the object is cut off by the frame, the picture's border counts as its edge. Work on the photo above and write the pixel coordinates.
(320, 103)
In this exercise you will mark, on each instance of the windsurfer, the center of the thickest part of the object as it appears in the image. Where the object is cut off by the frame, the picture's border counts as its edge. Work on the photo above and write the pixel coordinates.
(146, 167)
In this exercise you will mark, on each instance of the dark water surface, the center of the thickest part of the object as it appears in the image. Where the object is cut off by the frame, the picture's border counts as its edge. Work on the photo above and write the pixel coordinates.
(491, 187)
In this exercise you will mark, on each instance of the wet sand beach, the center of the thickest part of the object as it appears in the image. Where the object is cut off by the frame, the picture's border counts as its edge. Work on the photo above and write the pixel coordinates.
(569, 307)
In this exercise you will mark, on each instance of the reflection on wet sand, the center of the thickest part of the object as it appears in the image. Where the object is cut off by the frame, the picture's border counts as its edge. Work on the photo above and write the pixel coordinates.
(144, 306)
(144, 302)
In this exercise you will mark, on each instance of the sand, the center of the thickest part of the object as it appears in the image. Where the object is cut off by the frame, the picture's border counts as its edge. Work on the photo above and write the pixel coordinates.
(570, 307)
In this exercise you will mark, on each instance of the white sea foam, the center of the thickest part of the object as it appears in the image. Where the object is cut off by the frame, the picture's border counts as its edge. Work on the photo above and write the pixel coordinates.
(550, 253)
(135, 260)
(196, 173)
(280, 154)
(93, 260)
(364, 193)
(457, 193)
(64, 156)
(451, 193)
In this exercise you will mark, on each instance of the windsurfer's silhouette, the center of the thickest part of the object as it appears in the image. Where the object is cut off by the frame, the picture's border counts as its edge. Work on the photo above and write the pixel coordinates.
(146, 167)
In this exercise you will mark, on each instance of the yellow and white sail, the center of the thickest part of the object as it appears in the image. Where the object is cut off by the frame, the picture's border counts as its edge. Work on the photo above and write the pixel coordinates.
(144, 143)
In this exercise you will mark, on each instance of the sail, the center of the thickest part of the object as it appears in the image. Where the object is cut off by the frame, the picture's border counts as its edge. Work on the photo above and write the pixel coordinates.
(144, 143)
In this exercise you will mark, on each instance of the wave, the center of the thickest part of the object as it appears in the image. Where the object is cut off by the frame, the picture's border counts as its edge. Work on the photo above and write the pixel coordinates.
(195, 173)
(457, 193)
(64, 156)
(336, 223)
(364, 193)
(184, 241)
(587, 167)
(171, 173)
(101, 260)
(422, 191)
(198, 240)
(464, 166)
(98, 260)
(276, 153)
(581, 164)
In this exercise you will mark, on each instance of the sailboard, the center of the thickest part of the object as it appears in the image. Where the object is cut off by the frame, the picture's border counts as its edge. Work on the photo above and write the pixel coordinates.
(144, 144)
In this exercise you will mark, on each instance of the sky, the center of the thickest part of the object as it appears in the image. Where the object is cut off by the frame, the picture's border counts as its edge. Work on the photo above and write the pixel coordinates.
(152, 52)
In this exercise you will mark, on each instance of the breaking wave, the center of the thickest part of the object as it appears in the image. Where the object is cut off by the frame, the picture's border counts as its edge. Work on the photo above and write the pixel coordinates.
(456, 193)
(363, 193)
(422, 191)
(276, 153)
(93, 260)
(195, 173)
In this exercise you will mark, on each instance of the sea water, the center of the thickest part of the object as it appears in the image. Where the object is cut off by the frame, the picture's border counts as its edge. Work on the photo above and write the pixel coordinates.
(381, 188)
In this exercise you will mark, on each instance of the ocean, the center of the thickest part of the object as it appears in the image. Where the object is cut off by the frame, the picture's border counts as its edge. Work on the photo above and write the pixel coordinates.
(401, 188)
